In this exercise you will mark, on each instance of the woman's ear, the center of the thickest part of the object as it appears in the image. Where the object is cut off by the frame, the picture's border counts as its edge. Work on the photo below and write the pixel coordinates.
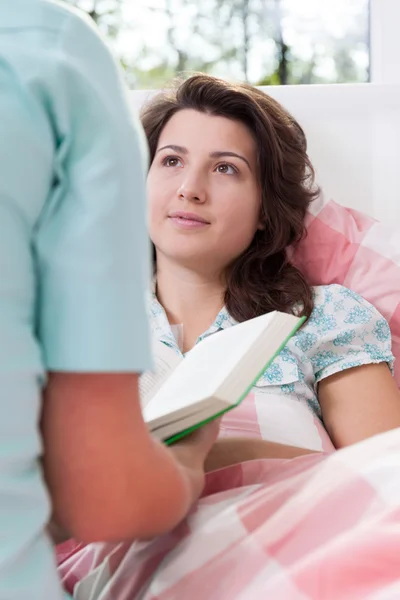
(261, 225)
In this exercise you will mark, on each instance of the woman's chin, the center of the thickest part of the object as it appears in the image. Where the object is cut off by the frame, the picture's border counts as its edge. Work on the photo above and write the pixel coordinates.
(183, 248)
(194, 259)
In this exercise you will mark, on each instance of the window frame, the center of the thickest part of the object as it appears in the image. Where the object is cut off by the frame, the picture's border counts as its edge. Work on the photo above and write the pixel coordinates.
(384, 41)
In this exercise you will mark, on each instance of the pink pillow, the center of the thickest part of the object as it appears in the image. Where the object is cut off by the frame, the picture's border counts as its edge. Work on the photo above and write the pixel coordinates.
(350, 248)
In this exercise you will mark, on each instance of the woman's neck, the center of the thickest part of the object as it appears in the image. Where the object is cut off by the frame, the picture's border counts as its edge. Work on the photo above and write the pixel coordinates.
(190, 299)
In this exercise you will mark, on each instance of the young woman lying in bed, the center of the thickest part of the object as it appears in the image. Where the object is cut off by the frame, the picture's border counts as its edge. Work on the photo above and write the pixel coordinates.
(237, 161)
(229, 186)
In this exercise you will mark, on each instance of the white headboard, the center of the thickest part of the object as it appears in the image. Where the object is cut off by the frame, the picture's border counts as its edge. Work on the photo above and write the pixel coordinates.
(353, 134)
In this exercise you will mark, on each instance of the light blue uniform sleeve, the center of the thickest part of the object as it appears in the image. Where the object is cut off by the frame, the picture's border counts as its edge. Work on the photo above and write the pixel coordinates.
(344, 331)
(91, 243)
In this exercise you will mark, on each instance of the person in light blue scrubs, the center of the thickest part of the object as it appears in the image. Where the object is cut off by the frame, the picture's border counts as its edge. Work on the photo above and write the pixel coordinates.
(73, 252)
(74, 272)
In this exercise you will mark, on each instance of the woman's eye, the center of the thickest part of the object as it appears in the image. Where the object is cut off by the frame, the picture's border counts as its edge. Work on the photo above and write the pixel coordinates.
(226, 169)
(171, 161)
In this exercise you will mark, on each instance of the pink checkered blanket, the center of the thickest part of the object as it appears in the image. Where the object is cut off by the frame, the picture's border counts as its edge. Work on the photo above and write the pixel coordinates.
(321, 527)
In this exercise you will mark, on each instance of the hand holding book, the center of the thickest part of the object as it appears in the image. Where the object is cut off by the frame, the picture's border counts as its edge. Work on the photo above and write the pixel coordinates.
(191, 453)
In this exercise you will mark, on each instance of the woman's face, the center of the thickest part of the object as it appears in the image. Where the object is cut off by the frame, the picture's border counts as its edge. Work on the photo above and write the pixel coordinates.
(203, 191)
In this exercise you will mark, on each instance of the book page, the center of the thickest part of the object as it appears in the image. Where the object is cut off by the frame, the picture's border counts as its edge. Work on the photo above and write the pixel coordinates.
(206, 367)
(222, 367)
(165, 362)
(218, 372)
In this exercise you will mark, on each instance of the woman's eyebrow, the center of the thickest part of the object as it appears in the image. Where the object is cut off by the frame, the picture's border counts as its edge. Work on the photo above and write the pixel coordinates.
(223, 153)
(175, 148)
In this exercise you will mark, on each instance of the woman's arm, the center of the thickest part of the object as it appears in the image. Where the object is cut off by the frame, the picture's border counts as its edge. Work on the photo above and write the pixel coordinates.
(232, 450)
(359, 403)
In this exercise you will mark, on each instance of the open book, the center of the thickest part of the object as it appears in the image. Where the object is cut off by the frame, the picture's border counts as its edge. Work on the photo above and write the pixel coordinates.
(181, 394)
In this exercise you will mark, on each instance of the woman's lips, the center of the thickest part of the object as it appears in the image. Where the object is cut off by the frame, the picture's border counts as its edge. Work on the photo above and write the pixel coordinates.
(186, 220)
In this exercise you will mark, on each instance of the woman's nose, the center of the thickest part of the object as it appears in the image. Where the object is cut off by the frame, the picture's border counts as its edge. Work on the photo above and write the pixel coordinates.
(193, 191)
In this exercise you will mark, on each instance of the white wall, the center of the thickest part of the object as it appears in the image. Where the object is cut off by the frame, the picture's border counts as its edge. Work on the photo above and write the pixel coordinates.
(353, 134)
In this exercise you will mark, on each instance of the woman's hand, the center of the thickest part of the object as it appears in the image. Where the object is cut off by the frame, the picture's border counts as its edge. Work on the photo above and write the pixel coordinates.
(233, 450)
(191, 453)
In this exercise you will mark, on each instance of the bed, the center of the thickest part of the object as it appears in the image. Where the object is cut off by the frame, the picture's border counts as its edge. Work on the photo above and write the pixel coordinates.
(325, 526)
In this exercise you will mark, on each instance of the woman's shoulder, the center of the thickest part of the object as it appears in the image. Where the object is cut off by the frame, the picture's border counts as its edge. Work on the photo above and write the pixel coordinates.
(343, 331)
(341, 314)
(343, 303)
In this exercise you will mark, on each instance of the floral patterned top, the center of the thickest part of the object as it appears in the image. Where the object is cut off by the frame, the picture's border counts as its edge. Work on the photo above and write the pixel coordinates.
(344, 331)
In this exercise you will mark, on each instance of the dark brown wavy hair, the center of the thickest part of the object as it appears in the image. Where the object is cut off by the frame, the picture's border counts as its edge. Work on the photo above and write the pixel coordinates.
(262, 278)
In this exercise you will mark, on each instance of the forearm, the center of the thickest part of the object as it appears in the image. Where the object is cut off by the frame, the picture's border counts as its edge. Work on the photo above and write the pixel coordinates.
(128, 503)
(107, 479)
(230, 451)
